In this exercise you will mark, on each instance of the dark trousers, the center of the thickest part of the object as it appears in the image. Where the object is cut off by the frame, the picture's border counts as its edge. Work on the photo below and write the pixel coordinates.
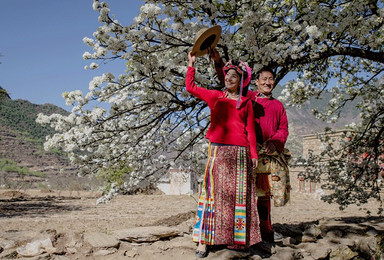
(264, 209)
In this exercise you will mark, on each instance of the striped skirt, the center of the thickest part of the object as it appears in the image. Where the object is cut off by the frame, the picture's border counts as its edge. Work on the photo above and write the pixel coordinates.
(227, 207)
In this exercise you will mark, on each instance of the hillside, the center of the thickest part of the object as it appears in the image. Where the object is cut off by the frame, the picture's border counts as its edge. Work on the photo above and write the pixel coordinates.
(302, 121)
(21, 140)
(23, 161)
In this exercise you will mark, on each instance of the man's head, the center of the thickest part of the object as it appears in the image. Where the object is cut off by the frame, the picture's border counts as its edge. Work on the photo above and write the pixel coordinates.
(265, 81)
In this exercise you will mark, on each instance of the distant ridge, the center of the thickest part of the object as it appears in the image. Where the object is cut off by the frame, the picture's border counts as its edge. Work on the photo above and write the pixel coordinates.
(3, 93)
(21, 142)
(21, 138)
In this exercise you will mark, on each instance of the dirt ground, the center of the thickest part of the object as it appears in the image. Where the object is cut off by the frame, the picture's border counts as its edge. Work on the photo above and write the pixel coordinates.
(34, 210)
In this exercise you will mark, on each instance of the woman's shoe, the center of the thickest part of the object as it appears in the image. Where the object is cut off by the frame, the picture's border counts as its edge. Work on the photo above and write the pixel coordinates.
(201, 251)
(201, 254)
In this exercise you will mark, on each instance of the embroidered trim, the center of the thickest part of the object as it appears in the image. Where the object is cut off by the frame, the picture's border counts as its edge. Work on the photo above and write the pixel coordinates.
(240, 224)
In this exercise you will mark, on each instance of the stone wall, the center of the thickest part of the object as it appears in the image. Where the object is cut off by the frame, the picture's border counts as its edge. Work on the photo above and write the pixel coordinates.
(178, 182)
(313, 142)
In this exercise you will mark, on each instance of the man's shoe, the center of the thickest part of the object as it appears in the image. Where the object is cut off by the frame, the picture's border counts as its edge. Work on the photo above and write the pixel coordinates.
(277, 237)
(262, 249)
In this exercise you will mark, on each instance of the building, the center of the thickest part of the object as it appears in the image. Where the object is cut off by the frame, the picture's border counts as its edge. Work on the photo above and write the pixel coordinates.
(178, 182)
(314, 144)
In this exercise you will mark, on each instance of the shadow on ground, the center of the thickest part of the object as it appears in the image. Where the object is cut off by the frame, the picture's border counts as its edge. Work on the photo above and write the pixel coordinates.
(36, 206)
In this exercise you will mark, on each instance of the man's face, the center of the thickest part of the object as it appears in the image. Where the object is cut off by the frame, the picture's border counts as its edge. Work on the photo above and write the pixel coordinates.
(265, 82)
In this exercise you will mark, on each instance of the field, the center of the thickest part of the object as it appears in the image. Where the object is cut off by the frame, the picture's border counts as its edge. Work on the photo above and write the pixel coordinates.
(27, 215)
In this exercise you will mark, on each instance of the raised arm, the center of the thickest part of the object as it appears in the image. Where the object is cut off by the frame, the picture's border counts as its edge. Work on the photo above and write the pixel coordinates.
(219, 65)
(199, 92)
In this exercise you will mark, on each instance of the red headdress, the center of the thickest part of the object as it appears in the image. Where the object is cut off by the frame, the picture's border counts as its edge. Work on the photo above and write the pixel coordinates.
(244, 70)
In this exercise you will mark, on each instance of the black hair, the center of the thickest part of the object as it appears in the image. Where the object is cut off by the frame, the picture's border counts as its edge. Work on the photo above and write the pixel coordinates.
(265, 69)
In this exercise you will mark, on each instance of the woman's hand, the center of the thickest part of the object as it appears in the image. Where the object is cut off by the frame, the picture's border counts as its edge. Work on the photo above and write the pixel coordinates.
(191, 59)
(254, 163)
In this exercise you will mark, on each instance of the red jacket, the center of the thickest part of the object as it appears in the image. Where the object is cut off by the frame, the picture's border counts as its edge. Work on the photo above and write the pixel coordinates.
(271, 121)
(228, 124)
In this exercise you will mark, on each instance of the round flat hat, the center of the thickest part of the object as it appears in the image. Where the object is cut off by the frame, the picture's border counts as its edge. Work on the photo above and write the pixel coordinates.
(206, 38)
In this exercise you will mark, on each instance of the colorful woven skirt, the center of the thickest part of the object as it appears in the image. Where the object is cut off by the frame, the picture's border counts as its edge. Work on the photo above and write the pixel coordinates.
(227, 207)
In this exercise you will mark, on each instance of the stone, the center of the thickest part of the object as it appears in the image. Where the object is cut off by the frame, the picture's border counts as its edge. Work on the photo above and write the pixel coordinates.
(20, 237)
(347, 242)
(104, 252)
(334, 234)
(133, 252)
(305, 239)
(186, 226)
(71, 250)
(100, 240)
(312, 230)
(36, 248)
(302, 255)
(318, 250)
(342, 253)
(367, 245)
(61, 257)
(289, 241)
(227, 254)
(285, 253)
(7, 244)
(146, 234)
(178, 242)
(372, 232)
(73, 239)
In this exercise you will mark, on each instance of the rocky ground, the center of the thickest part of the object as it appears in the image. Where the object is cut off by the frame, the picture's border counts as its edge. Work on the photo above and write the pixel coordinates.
(52, 225)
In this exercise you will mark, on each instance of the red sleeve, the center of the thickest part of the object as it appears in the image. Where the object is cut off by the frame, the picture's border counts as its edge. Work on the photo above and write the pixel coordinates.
(199, 92)
(280, 138)
(219, 71)
(251, 133)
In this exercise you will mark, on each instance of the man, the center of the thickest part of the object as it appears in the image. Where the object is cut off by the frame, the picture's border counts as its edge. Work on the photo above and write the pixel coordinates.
(271, 125)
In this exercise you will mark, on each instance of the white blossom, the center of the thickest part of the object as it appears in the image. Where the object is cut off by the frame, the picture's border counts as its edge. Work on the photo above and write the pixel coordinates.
(137, 118)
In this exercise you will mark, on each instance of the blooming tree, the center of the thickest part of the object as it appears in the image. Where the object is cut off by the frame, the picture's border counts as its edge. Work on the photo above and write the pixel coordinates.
(149, 121)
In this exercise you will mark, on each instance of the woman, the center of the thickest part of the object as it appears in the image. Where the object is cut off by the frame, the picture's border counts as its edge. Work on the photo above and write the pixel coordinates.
(227, 211)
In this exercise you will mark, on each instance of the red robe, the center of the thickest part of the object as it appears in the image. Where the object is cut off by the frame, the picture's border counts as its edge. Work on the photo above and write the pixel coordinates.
(271, 121)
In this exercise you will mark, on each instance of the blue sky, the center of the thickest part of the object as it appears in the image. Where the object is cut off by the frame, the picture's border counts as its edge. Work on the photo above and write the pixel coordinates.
(41, 46)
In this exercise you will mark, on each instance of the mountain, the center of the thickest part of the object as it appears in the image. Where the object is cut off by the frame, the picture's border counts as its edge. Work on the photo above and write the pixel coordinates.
(302, 121)
(3, 93)
(21, 140)
(23, 161)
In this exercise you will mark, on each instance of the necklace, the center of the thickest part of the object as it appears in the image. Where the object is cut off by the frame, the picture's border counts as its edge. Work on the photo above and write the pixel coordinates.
(232, 96)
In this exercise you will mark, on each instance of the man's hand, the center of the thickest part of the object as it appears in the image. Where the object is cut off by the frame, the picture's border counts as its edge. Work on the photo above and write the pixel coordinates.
(214, 54)
(270, 148)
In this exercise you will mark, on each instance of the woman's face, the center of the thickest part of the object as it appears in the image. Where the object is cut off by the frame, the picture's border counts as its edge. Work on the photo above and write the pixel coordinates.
(232, 80)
